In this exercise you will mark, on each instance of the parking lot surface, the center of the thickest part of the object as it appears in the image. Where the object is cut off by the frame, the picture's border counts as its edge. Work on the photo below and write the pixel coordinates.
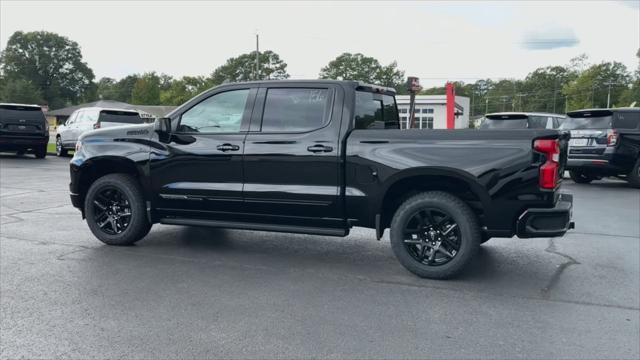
(202, 293)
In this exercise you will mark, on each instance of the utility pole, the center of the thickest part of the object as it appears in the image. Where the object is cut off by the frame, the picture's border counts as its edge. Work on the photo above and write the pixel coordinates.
(486, 105)
(257, 57)
(555, 85)
(609, 93)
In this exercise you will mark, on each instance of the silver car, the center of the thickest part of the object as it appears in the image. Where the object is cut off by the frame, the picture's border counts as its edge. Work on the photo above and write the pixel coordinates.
(87, 119)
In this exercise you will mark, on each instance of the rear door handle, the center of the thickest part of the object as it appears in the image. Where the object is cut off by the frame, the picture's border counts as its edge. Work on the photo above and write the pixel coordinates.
(319, 148)
(228, 147)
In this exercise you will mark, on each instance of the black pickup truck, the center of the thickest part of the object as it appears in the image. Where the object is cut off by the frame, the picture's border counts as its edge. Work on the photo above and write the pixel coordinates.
(319, 157)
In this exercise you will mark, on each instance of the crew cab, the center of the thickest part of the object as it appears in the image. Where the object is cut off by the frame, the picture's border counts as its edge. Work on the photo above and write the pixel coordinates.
(320, 157)
(87, 119)
(521, 120)
(23, 128)
(604, 142)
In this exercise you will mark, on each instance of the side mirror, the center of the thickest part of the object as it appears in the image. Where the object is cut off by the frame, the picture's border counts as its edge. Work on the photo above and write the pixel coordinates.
(163, 127)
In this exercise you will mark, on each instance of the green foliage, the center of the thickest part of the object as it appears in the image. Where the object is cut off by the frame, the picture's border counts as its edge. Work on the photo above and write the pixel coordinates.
(146, 90)
(243, 68)
(19, 91)
(50, 62)
(359, 67)
(591, 87)
(181, 90)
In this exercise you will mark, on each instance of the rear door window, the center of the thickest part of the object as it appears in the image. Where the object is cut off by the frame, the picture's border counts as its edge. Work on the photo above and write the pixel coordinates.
(295, 109)
(375, 111)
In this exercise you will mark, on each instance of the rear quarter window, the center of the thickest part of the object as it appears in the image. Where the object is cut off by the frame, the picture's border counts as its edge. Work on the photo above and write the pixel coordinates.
(375, 111)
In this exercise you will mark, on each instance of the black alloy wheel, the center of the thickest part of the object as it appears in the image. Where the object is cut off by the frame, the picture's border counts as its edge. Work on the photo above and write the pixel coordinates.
(112, 211)
(431, 237)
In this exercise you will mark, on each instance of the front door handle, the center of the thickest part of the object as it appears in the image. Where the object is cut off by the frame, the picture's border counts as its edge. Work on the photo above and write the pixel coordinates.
(319, 148)
(228, 147)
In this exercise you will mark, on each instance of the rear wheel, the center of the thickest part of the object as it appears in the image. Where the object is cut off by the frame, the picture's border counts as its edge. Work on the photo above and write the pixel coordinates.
(115, 211)
(60, 150)
(434, 235)
(580, 177)
(634, 176)
(40, 152)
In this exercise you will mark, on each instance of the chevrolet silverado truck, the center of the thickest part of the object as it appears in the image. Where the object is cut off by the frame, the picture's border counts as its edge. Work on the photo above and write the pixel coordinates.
(604, 142)
(320, 157)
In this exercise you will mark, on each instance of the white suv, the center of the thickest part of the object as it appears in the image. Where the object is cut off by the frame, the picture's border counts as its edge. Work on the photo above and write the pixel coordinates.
(87, 119)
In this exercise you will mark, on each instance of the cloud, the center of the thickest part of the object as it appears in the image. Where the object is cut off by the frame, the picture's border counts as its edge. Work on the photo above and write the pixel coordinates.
(550, 38)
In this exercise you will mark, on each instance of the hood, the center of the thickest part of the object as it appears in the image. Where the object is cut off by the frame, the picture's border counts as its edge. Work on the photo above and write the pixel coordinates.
(138, 131)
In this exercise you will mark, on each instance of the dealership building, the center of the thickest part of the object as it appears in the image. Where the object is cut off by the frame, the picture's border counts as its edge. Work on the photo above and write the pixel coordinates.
(431, 111)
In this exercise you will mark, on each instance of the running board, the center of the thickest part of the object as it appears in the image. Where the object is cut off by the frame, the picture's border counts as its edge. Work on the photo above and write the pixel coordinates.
(257, 226)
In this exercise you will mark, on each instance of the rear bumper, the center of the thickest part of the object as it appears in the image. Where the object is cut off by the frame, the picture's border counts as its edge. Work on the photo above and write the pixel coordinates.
(547, 222)
(595, 164)
(21, 142)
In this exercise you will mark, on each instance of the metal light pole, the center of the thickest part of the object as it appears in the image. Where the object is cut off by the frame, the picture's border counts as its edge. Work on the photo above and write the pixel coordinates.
(257, 57)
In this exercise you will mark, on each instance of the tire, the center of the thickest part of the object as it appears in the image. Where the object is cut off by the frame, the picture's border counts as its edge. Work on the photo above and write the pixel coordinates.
(634, 176)
(439, 205)
(60, 150)
(580, 177)
(104, 191)
(40, 152)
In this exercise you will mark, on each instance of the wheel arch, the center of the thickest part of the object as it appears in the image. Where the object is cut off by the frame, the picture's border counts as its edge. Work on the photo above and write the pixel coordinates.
(412, 181)
(97, 167)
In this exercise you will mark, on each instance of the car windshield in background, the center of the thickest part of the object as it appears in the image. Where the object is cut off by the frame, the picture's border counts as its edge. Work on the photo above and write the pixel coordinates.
(504, 124)
(16, 113)
(375, 111)
(124, 117)
(577, 123)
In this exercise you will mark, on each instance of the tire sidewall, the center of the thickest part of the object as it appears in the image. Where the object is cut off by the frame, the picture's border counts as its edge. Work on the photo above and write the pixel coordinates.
(470, 236)
(138, 216)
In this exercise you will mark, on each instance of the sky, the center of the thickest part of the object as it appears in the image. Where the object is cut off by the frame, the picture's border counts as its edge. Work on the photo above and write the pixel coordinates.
(436, 41)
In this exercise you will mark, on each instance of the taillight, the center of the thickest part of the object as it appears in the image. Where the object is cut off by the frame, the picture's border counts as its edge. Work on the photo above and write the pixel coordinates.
(612, 137)
(549, 171)
(96, 125)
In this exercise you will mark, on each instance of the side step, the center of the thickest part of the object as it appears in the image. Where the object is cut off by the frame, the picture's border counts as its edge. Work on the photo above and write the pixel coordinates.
(257, 226)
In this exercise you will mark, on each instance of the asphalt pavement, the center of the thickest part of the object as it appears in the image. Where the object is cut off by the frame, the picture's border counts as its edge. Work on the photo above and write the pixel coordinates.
(209, 293)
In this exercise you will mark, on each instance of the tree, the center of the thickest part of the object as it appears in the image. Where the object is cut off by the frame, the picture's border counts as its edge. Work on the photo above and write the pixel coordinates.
(632, 93)
(591, 88)
(542, 89)
(146, 90)
(19, 91)
(50, 62)
(359, 67)
(243, 68)
(184, 89)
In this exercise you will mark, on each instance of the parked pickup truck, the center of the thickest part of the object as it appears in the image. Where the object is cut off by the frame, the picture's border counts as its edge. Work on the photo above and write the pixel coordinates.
(319, 157)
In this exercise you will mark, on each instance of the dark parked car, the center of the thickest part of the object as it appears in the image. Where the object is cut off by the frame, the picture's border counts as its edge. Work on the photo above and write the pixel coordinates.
(23, 128)
(319, 157)
(521, 120)
(604, 142)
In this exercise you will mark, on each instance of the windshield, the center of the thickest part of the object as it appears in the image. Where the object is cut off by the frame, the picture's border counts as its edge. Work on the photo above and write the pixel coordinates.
(575, 123)
(504, 124)
(120, 117)
(21, 114)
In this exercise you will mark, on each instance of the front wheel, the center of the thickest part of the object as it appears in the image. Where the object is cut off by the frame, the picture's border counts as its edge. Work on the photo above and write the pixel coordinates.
(115, 211)
(434, 235)
(580, 177)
